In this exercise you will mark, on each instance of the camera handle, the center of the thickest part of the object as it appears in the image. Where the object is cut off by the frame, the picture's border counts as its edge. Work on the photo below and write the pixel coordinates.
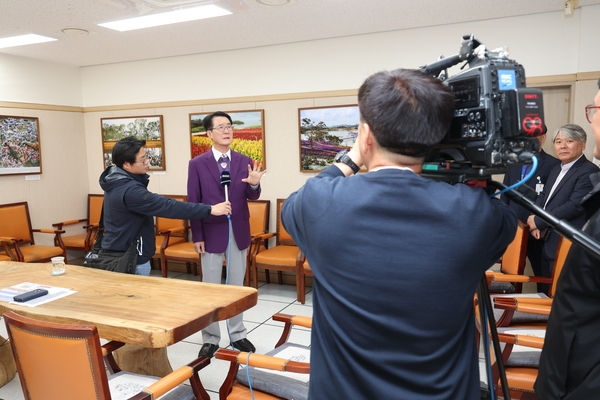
(485, 311)
(562, 227)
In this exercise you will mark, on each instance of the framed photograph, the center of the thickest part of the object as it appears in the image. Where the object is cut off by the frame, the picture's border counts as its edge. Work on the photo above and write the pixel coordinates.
(248, 134)
(324, 132)
(145, 128)
(20, 151)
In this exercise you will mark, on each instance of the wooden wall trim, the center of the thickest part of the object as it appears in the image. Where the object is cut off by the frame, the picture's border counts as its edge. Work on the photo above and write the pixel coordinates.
(538, 81)
(45, 107)
(201, 102)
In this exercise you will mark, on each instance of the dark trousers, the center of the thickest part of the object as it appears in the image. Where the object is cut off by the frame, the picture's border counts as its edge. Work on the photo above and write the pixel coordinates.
(539, 264)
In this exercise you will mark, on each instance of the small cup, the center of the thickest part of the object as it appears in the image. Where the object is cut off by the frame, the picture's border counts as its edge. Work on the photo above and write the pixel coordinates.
(58, 265)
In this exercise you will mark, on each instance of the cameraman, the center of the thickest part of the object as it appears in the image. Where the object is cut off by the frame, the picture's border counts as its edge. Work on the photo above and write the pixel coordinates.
(396, 257)
(570, 361)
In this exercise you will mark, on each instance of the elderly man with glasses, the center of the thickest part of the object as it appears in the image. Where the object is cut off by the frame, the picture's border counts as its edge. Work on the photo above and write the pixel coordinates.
(216, 175)
(570, 361)
(130, 208)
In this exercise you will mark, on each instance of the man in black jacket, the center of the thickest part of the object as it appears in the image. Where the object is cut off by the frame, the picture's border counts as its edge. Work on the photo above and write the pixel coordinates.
(128, 205)
(570, 360)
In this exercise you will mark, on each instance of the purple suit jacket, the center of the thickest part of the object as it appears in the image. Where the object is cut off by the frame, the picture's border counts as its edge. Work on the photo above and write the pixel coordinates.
(204, 186)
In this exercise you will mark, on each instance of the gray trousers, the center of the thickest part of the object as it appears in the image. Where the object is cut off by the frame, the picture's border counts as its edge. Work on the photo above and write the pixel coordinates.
(212, 267)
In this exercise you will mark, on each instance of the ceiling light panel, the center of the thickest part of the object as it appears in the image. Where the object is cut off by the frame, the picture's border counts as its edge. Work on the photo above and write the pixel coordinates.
(183, 14)
(24, 40)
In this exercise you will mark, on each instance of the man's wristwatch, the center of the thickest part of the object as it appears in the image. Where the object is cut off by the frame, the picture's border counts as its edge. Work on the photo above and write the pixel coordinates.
(343, 157)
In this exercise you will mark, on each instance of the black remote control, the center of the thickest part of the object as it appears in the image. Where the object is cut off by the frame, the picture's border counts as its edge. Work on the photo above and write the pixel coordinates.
(34, 294)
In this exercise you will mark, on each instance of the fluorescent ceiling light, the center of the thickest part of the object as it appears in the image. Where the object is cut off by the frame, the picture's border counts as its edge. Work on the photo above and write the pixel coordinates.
(171, 17)
(23, 40)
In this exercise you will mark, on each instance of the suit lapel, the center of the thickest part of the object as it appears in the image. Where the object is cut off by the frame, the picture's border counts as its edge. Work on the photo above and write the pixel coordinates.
(211, 166)
(567, 176)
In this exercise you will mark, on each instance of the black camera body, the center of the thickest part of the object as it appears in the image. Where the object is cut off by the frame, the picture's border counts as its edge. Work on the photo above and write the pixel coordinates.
(496, 119)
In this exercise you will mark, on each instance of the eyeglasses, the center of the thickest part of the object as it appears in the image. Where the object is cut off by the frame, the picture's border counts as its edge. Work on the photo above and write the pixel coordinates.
(143, 160)
(223, 128)
(590, 111)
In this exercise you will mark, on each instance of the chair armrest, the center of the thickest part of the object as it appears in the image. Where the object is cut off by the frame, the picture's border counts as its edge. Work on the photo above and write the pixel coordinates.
(263, 361)
(289, 321)
(263, 236)
(525, 305)
(59, 225)
(493, 276)
(172, 230)
(175, 378)
(521, 340)
(54, 231)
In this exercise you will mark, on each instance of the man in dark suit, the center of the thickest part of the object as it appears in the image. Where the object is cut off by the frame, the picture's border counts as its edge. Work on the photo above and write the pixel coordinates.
(567, 184)
(537, 182)
(569, 363)
(218, 237)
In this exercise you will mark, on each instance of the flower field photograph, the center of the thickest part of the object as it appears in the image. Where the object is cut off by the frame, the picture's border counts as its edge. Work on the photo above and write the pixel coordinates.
(248, 134)
(324, 132)
(149, 129)
(19, 146)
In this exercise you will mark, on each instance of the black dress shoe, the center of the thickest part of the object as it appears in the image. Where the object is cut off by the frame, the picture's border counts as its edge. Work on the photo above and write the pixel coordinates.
(244, 345)
(208, 350)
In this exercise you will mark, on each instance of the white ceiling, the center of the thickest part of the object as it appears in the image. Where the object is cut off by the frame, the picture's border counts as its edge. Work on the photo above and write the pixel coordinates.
(251, 25)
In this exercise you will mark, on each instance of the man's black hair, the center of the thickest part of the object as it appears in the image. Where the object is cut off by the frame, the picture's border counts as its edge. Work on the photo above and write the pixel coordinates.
(125, 150)
(207, 121)
(407, 110)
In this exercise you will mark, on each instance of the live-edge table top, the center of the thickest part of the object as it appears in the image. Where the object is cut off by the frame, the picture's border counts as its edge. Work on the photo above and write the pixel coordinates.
(144, 311)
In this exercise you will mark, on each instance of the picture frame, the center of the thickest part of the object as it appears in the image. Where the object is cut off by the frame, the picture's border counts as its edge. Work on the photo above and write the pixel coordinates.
(20, 146)
(148, 128)
(248, 134)
(324, 132)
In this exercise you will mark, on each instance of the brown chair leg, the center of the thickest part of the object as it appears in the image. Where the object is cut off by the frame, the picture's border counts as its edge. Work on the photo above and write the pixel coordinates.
(279, 277)
(301, 287)
(163, 267)
(267, 276)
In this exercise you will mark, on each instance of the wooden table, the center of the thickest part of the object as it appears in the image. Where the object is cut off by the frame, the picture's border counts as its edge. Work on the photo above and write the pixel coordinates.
(144, 311)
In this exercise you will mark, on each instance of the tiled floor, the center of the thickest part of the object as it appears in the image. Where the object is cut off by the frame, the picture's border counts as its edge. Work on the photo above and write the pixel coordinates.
(263, 332)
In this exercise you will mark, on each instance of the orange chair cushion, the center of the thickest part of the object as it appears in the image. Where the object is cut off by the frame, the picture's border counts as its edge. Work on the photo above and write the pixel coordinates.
(4, 257)
(74, 240)
(182, 250)
(55, 362)
(39, 252)
(278, 255)
(241, 392)
(521, 378)
(172, 240)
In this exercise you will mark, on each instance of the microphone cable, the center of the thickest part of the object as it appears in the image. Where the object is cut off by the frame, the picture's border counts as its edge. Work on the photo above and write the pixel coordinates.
(522, 181)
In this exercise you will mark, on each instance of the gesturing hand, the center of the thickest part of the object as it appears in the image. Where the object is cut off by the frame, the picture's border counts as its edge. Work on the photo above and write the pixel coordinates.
(254, 173)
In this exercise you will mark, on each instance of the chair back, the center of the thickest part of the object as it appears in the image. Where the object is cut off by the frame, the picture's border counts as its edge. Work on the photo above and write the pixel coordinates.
(564, 245)
(57, 361)
(15, 222)
(514, 257)
(259, 216)
(95, 202)
(283, 237)
(163, 224)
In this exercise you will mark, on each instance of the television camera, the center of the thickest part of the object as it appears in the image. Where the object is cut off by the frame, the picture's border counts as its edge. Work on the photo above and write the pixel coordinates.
(496, 120)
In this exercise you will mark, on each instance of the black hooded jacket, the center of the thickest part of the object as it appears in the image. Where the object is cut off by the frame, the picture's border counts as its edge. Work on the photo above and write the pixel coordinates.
(128, 205)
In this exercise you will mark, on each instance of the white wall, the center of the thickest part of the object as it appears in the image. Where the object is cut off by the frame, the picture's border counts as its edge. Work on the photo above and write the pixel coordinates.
(32, 81)
(546, 44)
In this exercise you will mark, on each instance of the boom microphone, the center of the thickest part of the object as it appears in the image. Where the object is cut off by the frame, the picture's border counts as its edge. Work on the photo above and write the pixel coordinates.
(225, 181)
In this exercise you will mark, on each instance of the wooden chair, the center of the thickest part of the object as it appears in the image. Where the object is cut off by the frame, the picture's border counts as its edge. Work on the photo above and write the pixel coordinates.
(281, 257)
(4, 249)
(512, 263)
(302, 269)
(15, 227)
(266, 385)
(84, 241)
(259, 225)
(178, 231)
(61, 361)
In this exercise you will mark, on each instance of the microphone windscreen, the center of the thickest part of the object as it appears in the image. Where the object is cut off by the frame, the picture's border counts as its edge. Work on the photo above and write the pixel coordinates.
(225, 178)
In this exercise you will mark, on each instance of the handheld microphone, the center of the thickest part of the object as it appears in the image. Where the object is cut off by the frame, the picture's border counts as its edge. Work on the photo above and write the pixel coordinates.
(225, 181)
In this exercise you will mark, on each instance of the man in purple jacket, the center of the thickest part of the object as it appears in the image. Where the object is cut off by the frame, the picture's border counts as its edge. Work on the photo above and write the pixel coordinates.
(216, 174)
